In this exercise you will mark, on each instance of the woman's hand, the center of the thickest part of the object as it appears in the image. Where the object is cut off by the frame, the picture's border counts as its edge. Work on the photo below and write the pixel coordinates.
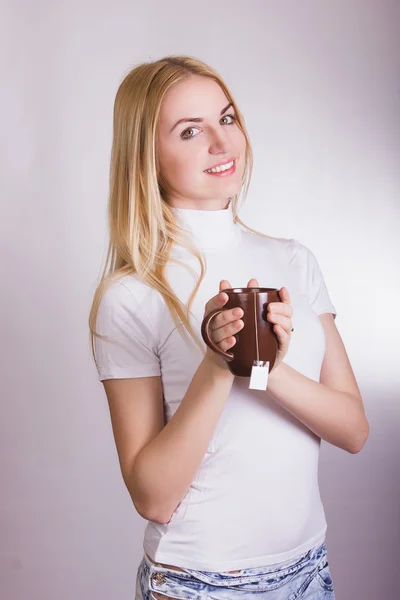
(222, 327)
(225, 325)
(280, 314)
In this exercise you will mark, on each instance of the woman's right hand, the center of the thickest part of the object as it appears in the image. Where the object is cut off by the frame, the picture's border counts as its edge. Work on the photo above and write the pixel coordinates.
(223, 326)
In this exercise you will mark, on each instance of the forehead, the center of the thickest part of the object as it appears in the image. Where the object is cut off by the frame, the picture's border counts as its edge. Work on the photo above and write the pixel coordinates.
(194, 97)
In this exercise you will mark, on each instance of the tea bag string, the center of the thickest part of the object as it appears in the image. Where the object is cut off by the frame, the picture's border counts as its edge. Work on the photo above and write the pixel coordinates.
(255, 326)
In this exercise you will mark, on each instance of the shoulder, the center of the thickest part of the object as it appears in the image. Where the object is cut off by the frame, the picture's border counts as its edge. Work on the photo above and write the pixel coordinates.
(126, 342)
(288, 253)
(288, 249)
(129, 295)
(301, 260)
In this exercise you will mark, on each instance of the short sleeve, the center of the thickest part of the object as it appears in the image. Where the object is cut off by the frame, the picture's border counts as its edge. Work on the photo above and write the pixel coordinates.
(130, 349)
(313, 280)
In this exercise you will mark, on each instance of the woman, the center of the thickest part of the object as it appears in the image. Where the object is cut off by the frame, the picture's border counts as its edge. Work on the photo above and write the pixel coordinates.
(226, 476)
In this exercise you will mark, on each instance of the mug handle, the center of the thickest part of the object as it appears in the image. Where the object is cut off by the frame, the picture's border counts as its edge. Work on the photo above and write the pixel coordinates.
(205, 333)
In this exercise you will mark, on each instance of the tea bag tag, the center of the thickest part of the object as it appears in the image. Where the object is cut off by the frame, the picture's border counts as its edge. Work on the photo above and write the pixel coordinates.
(259, 375)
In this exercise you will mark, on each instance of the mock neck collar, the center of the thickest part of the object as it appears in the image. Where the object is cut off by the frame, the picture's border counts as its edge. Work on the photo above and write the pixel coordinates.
(212, 230)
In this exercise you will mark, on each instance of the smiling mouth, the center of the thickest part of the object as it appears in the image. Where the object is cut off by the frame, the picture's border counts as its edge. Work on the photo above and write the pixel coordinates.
(220, 170)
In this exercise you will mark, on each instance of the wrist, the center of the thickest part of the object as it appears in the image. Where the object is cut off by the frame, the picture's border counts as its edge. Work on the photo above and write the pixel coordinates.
(275, 373)
(217, 365)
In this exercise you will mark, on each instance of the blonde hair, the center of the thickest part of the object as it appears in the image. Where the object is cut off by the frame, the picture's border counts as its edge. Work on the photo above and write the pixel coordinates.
(142, 228)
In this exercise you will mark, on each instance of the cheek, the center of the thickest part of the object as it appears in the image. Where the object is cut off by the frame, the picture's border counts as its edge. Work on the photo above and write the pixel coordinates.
(182, 171)
(182, 167)
(173, 163)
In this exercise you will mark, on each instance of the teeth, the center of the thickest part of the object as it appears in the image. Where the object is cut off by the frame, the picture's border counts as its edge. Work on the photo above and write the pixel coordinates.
(222, 168)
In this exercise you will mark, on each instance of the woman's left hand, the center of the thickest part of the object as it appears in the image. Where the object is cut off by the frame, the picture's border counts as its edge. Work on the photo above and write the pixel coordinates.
(280, 315)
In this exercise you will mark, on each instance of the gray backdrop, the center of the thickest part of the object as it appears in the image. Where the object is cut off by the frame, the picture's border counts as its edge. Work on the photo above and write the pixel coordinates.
(318, 83)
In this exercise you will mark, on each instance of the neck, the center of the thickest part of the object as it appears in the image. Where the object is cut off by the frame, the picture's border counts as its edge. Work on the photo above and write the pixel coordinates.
(200, 204)
(211, 230)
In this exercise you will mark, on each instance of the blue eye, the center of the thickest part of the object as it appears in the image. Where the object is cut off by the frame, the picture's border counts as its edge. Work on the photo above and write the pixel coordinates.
(184, 137)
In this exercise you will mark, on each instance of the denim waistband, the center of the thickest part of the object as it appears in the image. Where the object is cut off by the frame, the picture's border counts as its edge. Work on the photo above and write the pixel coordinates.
(283, 568)
(283, 580)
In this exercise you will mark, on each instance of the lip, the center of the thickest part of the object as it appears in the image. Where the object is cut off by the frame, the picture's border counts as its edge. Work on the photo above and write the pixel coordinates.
(223, 174)
(222, 162)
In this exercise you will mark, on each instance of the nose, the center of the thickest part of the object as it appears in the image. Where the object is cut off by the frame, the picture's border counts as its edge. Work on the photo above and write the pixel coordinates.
(219, 143)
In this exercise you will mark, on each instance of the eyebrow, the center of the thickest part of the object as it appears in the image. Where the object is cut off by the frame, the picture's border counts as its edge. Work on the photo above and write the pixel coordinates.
(197, 119)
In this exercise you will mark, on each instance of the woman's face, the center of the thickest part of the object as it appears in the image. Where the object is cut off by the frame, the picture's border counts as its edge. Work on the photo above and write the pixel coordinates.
(185, 150)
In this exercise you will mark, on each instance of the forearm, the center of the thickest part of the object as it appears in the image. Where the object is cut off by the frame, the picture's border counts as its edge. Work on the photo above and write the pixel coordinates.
(335, 416)
(166, 467)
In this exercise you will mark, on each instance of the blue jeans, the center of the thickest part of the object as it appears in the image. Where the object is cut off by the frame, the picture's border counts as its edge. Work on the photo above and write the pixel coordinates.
(304, 578)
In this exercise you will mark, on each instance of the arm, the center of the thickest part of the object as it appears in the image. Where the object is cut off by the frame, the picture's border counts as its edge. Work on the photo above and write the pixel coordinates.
(159, 462)
(165, 468)
(333, 408)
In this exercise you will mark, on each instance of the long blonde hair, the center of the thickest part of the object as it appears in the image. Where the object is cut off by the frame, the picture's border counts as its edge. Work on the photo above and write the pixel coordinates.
(142, 228)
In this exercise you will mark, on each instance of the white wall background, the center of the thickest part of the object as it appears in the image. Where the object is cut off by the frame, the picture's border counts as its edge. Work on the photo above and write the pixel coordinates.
(318, 83)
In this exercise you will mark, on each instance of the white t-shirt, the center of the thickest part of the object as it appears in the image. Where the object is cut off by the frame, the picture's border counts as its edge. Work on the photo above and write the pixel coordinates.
(255, 498)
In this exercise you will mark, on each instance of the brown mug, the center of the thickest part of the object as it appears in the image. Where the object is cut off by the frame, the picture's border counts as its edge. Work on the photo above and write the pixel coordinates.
(257, 339)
